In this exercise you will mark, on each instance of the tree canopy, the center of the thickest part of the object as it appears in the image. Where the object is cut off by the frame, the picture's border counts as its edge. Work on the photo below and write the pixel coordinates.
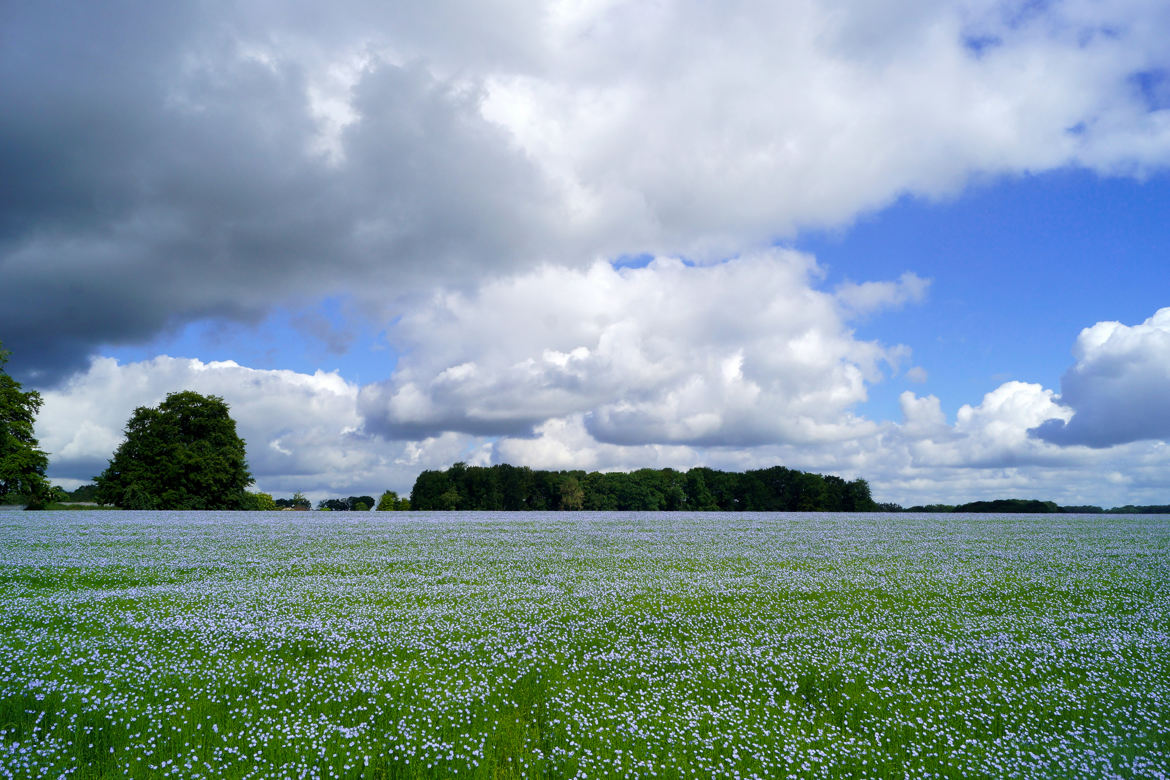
(390, 502)
(182, 454)
(260, 502)
(350, 504)
(510, 488)
(298, 501)
(22, 463)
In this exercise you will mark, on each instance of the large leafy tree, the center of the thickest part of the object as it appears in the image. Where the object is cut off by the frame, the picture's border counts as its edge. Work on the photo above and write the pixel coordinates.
(22, 463)
(182, 454)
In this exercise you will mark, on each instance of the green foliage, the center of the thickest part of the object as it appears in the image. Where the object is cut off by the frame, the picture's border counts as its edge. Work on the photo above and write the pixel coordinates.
(1130, 509)
(428, 490)
(572, 494)
(22, 463)
(182, 454)
(259, 502)
(1032, 506)
(390, 502)
(512, 488)
(298, 501)
(351, 504)
(85, 493)
(1009, 506)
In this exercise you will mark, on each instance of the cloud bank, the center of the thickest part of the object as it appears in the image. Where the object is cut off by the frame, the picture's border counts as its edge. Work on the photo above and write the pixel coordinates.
(735, 354)
(655, 366)
(185, 161)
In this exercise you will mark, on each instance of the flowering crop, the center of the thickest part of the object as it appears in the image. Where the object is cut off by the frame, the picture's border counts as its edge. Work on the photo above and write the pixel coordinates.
(385, 645)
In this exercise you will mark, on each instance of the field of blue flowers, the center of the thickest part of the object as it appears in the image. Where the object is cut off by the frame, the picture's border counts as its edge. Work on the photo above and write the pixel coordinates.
(385, 645)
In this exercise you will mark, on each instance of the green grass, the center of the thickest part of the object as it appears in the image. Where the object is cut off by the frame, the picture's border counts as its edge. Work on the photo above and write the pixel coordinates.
(552, 646)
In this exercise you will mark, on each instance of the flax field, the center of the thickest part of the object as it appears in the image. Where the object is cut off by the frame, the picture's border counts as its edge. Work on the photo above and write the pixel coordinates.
(583, 645)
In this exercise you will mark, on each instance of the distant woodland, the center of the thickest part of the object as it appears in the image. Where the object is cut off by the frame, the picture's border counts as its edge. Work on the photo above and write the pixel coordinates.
(1032, 506)
(777, 489)
(510, 488)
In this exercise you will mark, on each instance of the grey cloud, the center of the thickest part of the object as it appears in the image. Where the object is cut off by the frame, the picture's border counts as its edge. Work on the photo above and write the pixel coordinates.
(336, 339)
(377, 422)
(81, 469)
(1119, 388)
(155, 174)
(162, 162)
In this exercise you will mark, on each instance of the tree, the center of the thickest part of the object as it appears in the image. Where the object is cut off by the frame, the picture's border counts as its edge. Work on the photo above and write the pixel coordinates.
(699, 496)
(182, 454)
(351, 504)
(390, 502)
(22, 463)
(429, 490)
(857, 497)
(298, 501)
(572, 494)
(260, 502)
(360, 503)
(85, 493)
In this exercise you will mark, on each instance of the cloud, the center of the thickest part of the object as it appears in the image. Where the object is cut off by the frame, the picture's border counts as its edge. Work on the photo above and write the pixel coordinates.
(916, 374)
(983, 452)
(301, 430)
(736, 354)
(566, 443)
(182, 162)
(200, 192)
(1117, 390)
(307, 431)
(869, 297)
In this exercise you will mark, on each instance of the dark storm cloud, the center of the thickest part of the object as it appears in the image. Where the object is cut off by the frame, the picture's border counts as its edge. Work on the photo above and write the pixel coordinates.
(157, 171)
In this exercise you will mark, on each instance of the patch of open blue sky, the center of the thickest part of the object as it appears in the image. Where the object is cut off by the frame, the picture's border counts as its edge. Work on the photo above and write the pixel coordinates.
(327, 335)
(1018, 268)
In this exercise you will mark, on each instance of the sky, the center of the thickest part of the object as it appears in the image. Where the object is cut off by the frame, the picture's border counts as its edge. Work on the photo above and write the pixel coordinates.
(919, 242)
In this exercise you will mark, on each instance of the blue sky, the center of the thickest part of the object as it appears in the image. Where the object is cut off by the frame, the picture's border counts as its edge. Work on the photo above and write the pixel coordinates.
(602, 235)
(1018, 266)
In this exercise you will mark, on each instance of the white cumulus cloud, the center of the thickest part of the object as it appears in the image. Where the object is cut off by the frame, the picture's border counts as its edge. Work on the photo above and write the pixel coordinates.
(301, 430)
(733, 354)
(1119, 389)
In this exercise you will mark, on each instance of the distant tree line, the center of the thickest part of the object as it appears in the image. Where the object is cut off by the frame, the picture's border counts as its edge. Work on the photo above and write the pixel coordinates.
(298, 501)
(517, 488)
(351, 504)
(1033, 506)
(390, 501)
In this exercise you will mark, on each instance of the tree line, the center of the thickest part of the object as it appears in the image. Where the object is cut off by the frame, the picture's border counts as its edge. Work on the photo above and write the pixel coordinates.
(504, 487)
(1034, 506)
